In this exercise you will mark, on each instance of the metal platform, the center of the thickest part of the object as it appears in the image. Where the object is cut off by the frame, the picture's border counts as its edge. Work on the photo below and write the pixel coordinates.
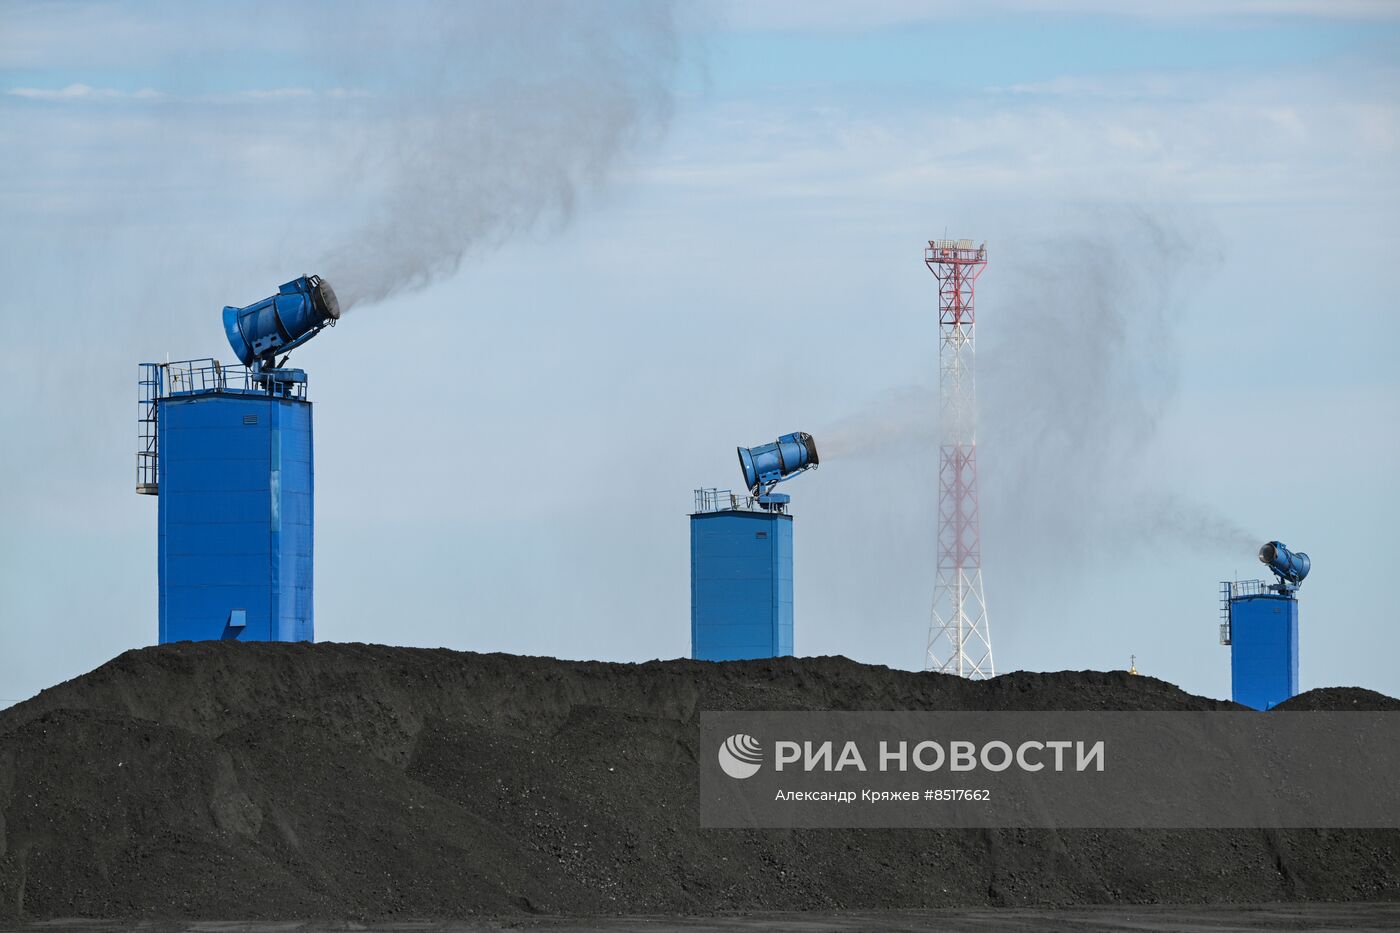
(197, 377)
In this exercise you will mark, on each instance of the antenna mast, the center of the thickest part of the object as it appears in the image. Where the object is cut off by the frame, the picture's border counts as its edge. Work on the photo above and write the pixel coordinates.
(959, 635)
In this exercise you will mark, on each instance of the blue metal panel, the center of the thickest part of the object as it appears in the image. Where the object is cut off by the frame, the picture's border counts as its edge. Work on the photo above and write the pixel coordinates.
(740, 585)
(1263, 649)
(236, 491)
(292, 519)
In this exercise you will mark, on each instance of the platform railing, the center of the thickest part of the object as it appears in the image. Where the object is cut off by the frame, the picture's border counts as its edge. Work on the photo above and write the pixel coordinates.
(725, 500)
(187, 377)
(195, 377)
(1229, 592)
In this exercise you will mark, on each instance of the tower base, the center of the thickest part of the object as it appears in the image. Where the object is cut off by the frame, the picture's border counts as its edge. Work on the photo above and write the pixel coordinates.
(235, 497)
(740, 584)
(1263, 632)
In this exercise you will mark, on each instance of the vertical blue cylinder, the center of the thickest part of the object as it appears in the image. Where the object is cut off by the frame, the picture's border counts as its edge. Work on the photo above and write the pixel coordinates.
(236, 517)
(1263, 649)
(740, 585)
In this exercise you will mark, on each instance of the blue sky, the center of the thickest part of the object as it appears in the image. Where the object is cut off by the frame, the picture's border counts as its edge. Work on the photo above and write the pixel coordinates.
(506, 457)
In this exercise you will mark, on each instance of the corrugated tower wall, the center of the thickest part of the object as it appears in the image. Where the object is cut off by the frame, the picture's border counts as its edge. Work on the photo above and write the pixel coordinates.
(236, 518)
(740, 585)
(1263, 650)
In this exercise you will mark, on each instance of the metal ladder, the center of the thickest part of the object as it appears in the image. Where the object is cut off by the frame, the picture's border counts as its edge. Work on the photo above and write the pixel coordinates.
(1227, 594)
(148, 440)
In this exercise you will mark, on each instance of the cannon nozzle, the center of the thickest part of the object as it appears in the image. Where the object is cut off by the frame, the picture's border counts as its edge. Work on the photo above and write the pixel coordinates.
(300, 310)
(1291, 567)
(764, 467)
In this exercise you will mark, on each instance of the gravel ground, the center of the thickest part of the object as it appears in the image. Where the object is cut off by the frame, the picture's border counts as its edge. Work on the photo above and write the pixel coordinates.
(1228, 918)
(373, 784)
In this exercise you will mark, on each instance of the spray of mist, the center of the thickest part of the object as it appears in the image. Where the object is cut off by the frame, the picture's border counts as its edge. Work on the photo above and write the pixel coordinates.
(507, 115)
(1073, 380)
(902, 420)
(1075, 384)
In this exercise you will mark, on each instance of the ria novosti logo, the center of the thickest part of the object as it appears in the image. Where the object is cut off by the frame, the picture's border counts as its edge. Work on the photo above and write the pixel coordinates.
(741, 756)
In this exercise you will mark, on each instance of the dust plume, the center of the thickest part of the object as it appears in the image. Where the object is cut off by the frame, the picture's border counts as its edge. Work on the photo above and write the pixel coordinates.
(504, 117)
(899, 420)
(1074, 377)
(1074, 381)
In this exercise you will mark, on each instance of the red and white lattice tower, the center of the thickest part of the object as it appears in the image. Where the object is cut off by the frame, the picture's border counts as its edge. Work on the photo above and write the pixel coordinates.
(959, 635)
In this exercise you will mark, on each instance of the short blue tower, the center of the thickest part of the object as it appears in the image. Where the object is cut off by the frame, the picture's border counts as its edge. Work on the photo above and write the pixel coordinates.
(227, 449)
(741, 557)
(1259, 622)
(740, 578)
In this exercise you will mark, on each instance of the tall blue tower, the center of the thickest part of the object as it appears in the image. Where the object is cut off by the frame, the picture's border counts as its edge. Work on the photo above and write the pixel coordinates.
(1259, 622)
(741, 558)
(740, 579)
(227, 449)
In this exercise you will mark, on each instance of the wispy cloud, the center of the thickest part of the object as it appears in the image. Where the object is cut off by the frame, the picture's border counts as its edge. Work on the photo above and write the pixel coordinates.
(1298, 135)
(84, 92)
(278, 93)
(1117, 87)
(832, 15)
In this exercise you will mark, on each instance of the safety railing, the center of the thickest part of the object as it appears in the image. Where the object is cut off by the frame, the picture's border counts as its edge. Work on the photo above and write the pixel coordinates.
(188, 377)
(725, 500)
(1248, 588)
(196, 377)
(1229, 592)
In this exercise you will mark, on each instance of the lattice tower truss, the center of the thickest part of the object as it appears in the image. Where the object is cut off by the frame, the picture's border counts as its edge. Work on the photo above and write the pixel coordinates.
(959, 635)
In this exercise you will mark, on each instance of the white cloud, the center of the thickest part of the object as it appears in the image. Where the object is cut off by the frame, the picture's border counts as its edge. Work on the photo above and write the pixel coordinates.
(84, 92)
(76, 92)
(835, 15)
(1116, 87)
(1276, 137)
(278, 93)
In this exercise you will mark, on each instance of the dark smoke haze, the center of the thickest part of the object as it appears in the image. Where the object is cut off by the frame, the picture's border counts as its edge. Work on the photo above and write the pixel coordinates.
(507, 114)
(1073, 380)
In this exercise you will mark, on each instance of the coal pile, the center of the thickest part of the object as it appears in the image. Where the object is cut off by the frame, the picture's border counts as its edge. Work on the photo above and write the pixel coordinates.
(266, 781)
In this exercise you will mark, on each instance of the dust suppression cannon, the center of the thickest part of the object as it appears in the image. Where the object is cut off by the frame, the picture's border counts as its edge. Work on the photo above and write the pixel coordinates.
(1259, 621)
(227, 449)
(300, 310)
(767, 466)
(741, 557)
(1291, 567)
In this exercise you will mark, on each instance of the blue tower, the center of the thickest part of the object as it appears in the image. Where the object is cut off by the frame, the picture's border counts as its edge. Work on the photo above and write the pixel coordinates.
(1259, 622)
(740, 579)
(741, 558)
(227, 449)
